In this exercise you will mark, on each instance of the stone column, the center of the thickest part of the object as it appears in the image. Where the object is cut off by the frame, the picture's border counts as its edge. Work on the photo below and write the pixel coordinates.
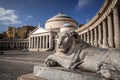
(43, 42)
(105, 45)
(81, 36)
(95, 37)
(110, 31)
(116, 27)
(40, 42)
(88, 37)
(29, 44)
(32, 42)
(47, 41)
(50, 42)
(99, 35)
(37, 43)
(91, 33)
(85, 39)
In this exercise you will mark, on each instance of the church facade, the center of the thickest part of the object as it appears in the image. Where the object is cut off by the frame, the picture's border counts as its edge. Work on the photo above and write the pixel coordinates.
(43, 39)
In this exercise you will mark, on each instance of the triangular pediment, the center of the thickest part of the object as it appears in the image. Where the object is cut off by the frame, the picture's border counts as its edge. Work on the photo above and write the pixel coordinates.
(39, 30)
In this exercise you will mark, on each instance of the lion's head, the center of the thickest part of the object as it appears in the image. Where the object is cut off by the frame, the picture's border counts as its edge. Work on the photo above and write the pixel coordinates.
(65, 41)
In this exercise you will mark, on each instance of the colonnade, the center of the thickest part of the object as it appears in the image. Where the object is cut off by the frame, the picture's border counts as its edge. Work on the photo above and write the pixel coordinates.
(40, 43)
(18, 44)
(104, 29)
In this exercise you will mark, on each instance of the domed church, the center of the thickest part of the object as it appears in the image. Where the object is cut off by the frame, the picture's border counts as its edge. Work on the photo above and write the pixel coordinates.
(57, 21)
(42, 39)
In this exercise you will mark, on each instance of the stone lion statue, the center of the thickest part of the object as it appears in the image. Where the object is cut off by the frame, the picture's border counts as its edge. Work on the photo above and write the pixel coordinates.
(73, 53)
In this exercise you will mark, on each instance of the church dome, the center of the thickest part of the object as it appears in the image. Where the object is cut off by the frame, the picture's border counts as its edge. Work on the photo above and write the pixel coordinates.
(59, 20)
(67, 27)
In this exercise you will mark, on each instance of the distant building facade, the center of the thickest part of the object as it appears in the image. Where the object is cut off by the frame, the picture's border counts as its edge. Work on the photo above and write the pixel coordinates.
(16, 38)
(21, 32)
(24, 31)
(11, 32)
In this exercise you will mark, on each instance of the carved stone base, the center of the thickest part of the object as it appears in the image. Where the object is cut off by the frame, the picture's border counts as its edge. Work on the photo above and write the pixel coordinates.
(63, 74)
(30, 77)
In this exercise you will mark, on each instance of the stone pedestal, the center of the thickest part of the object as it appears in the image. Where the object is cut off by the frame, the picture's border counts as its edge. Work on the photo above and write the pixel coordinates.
(30, 77)
(63, 74)
(45, 73)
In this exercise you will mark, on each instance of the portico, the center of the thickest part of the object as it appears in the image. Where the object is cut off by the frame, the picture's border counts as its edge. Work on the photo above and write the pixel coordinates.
(41, 40)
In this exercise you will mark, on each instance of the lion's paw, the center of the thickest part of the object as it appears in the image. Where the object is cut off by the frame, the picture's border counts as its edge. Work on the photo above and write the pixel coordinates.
(51, 63)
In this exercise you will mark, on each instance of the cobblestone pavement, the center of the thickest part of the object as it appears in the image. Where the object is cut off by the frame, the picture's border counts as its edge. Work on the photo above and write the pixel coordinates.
(17, 63)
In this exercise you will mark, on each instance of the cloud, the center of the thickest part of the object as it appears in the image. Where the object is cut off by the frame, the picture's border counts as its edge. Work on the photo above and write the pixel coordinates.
(25, 17)
(28, 17)
(81, 4)
(8, 16)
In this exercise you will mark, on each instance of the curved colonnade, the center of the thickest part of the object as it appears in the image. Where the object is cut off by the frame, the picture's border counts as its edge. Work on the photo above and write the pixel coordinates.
(103, 30)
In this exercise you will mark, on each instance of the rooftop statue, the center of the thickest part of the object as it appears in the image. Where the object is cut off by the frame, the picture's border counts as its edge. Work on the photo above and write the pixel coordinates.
(73, 53)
